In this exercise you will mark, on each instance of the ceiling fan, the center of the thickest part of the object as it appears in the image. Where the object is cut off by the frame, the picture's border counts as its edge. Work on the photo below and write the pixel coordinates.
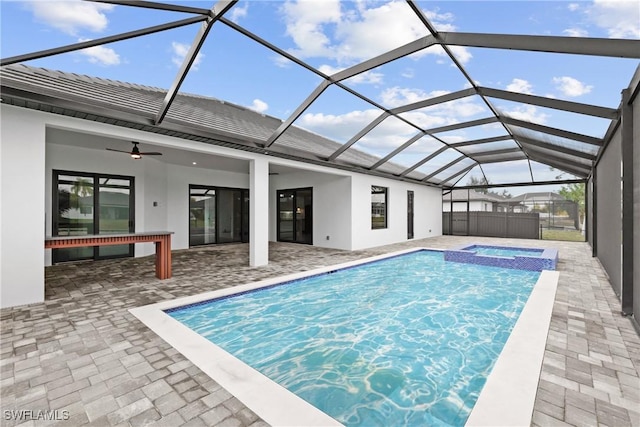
(135, 153)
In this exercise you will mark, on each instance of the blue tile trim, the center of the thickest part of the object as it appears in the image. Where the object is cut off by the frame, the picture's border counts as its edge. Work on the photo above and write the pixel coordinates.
(547, 260)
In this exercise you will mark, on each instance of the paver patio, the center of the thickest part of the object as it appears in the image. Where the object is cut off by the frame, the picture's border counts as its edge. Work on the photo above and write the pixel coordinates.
(82, 353)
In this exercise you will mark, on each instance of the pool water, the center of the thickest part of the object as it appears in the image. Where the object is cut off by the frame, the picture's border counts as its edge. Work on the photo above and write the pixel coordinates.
(504, 251)
(409, 340)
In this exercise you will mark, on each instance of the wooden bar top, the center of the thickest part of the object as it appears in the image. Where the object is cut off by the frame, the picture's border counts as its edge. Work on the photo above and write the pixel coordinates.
(90, 236)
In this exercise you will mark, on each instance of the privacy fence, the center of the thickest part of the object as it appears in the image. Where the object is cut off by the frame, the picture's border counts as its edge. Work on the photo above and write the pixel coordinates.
(492, 224)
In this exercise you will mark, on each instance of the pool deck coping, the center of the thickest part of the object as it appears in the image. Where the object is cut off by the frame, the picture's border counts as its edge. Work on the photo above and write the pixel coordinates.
(507, 399)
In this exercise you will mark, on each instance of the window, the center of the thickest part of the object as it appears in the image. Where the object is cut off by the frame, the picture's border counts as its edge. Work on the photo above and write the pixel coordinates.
(378, 207)
(92, 203)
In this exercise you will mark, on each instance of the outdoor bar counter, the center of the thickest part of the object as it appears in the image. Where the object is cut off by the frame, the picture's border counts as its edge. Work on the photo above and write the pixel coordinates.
(162, 239)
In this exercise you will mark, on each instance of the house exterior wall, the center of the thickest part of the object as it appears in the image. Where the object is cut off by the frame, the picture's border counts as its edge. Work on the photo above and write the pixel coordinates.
(331, 206)
(474, 206)
(33, 146)
(22, 207)
(427, 208)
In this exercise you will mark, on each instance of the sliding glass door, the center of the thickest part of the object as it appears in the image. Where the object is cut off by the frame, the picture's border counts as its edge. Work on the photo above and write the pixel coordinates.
(218, 215)
(89, 203)
(295, 220)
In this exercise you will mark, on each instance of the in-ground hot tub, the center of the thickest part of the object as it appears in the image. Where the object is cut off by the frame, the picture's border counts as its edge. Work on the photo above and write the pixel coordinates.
(532, 259)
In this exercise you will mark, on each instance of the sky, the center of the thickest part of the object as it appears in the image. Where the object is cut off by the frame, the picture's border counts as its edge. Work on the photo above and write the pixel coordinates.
(331, 36)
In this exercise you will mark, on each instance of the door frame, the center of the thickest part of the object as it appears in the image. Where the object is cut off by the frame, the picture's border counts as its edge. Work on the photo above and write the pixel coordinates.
(410, 213)
(294, 220)
(244, 193)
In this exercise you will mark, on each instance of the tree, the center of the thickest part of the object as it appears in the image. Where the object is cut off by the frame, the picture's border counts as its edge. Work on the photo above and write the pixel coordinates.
(483, 181)
(479, 181)
(82, 187)
(503, 193)
(575, 193)
(64, 201)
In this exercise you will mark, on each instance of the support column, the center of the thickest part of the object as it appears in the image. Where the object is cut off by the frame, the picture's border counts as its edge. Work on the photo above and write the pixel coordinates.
(627, 204)
(594, 211)
(22, 210)
(258, 212)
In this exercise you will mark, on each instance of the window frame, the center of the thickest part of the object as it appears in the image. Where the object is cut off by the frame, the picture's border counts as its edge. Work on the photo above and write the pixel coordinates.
(376, 224)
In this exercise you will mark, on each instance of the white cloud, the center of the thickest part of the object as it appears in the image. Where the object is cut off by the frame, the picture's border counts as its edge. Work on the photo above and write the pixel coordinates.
(528, 113)
(441, 21)
(573, 7)
(101, 55)
(520, 86)
(461, 53)
(320, 28)
(238, 12)
(575, 32)
(452, 139)
(281, 61)
(362, 36)
(180, 51)
(391, 132)
(305, 24)
(397, 96)
(340, 127)
(259, 106)
(571, 87)
(450, 112)
(408, 73)
(72, 16)
(620, 18)
(427, 121)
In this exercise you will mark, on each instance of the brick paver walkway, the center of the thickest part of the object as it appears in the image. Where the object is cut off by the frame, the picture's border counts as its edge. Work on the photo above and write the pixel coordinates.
(83, 354)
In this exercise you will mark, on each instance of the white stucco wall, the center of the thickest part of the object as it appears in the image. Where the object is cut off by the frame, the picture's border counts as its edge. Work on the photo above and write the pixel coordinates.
(331, 206)
(474, 206)
(36, 143)
(427, 212)
(22, 218)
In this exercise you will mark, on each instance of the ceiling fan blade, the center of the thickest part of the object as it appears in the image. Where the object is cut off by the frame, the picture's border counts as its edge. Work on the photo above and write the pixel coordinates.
(151, 153)
(119, 151)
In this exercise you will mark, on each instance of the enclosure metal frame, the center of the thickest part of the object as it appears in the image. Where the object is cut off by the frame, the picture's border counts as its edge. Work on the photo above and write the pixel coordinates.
(563, 159)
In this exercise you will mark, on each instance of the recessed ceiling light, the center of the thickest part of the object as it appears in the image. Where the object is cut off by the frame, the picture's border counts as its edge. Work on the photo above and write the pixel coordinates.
(194, 163)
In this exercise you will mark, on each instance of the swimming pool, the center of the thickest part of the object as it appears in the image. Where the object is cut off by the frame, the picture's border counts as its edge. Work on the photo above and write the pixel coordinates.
(408, 340)
(522, 354)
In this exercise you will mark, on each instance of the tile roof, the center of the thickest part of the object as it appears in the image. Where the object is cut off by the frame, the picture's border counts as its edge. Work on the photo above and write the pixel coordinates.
(203, 115)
